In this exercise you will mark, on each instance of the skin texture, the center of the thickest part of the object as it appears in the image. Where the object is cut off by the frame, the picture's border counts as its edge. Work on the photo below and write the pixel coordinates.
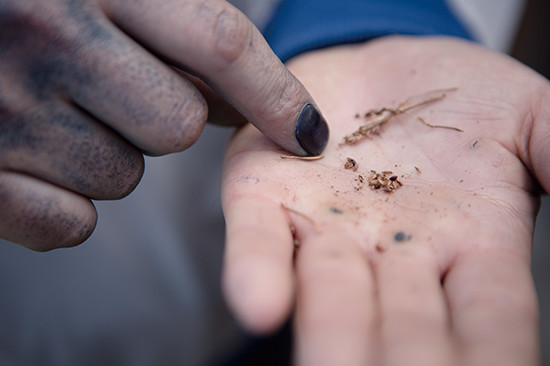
(88, 86)
(435, 273)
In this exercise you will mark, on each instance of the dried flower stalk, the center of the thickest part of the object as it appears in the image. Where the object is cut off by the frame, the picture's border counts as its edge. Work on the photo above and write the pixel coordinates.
(377, 118)
(307, 158)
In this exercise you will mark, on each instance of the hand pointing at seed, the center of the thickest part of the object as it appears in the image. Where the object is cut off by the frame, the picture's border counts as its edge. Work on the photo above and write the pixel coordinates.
(88, 86)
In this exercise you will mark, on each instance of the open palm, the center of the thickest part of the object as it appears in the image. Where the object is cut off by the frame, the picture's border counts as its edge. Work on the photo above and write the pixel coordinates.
(436, 272)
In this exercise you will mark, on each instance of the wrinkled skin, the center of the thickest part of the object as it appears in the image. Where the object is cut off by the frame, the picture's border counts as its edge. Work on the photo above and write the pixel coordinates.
(436, 273)
(88, 86)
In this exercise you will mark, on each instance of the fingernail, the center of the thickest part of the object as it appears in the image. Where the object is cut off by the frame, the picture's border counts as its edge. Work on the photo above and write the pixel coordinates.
(312, 130)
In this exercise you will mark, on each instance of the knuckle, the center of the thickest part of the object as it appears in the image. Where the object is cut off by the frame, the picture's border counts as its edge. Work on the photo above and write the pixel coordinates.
(104, 167)
(288, 97)
(279, 105)
(78, 154)
(49, 26)
(50, 42)
(232, 34)
(23, 30)
(62, 146)
(332, 267)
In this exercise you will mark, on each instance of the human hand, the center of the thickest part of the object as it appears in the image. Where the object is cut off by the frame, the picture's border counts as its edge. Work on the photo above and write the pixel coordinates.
(87, 86)
(436, 272)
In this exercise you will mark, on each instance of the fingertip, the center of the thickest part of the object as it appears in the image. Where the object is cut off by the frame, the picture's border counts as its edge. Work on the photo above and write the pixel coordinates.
(260, 296)
(61, 229)
(129, 179)
(179, 129)
(83, 227)
(41, 216)
(494, 308)
(124, 171)
(192, 119)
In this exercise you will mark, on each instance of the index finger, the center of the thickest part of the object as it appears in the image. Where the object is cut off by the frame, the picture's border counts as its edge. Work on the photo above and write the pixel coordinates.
(217, 42)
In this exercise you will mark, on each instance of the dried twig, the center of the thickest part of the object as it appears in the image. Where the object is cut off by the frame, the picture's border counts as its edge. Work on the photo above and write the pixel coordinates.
(307, 158)
(378, 118)
(423, 121)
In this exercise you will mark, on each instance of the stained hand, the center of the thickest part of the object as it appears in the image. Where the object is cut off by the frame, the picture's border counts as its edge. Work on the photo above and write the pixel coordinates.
(436, 272)
(87, 86)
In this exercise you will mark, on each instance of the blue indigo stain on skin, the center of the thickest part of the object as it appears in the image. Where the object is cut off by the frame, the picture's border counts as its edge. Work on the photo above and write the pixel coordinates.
(248, 179)
(402, 237)
(336, 210)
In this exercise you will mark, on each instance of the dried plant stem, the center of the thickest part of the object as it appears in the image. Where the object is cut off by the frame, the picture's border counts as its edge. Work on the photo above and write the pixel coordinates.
(296, 157)
(377, 118)
(423, 121)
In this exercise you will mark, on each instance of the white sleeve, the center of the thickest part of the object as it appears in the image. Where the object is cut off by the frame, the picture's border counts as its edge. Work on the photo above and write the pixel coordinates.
(493, 22)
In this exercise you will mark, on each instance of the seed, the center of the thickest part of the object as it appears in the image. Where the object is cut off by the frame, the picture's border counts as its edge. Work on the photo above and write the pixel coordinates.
(351, 164)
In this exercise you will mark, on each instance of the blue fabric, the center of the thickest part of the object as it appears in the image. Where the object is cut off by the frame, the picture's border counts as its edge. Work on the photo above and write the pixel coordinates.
(302, 25)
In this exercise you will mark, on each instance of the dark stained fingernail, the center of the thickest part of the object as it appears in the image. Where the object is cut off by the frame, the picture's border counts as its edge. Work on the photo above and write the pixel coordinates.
(312, 130)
